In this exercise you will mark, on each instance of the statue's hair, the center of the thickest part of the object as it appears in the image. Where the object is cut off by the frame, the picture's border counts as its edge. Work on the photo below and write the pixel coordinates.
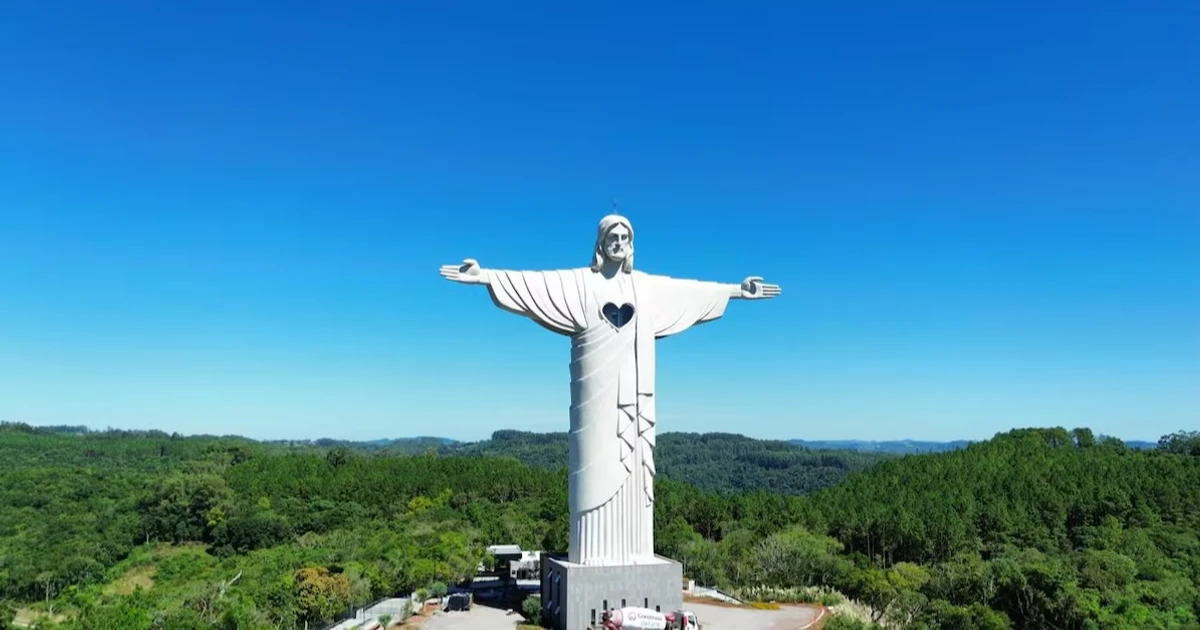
(606, 225)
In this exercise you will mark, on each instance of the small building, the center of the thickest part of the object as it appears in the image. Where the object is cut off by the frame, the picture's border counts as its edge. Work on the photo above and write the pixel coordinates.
(514, 563)
(507, 552)
(529, 567)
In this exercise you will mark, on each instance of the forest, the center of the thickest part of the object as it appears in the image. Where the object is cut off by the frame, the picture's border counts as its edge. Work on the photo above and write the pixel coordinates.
(714, 462)
(1035, 528)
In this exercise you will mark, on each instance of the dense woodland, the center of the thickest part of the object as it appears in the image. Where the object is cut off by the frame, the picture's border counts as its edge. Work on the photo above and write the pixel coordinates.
(713, 462)
(1033, 529)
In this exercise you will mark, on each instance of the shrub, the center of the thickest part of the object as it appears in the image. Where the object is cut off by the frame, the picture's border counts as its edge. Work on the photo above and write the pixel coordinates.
(844, 622)
(7, 614)
(531, 608)
(803, 595)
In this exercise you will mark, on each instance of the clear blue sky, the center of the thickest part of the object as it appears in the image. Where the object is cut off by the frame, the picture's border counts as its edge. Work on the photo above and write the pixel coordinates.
(227, 217)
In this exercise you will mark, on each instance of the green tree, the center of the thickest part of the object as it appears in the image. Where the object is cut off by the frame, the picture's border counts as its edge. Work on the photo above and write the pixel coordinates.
(737, 554)
(1181, 443)
(797, 557)
(338, 457)
(846, 622)
(702, 561)
(321, 594)
(1084, 438)
(8, 615)
(942, 615)
(894, 593)
(126, 613)
(179, 507)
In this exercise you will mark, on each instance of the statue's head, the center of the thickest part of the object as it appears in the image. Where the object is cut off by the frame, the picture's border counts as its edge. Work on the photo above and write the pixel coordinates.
(614, 243)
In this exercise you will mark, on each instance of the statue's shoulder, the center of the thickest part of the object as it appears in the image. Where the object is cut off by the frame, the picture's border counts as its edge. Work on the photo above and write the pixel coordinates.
(643, 277)
(572, 271)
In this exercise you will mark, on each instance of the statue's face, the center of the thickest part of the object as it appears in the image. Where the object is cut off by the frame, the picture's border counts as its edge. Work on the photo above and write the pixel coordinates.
(617, 244)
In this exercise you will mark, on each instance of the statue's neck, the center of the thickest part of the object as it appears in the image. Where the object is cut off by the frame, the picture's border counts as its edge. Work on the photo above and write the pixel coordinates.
(610, 269)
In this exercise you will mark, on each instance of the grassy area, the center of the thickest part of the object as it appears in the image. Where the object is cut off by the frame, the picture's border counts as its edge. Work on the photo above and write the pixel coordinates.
(138, 577)
(27, 616)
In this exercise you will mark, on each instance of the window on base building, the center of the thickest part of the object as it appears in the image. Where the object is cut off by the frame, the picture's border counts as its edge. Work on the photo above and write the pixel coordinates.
(622, 603)
(593, 616)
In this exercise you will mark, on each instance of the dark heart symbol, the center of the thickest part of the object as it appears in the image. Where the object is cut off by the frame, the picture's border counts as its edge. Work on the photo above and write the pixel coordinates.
(618, 316)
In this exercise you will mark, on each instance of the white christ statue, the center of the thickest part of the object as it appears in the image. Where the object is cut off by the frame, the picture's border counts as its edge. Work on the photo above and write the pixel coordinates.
(613, 314)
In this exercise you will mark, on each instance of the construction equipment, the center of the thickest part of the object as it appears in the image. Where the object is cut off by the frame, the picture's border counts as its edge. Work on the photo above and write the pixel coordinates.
(633, 618)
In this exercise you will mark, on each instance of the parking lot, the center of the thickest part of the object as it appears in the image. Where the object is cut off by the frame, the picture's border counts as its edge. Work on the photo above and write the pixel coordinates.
(712, 617)
(478, 618)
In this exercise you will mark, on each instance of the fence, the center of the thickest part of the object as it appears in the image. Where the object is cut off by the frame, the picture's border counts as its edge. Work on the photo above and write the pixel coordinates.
(393, 606)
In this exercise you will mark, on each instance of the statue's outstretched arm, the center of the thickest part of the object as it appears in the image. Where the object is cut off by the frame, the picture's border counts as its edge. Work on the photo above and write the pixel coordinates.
(468, 272)
(552, 299)
(753, 288)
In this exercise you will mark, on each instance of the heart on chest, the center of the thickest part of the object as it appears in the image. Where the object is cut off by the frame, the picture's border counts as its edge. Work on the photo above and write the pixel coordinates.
(617, 315)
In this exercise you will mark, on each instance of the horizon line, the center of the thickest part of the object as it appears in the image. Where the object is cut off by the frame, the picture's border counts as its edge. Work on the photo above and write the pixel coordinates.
(109, 429)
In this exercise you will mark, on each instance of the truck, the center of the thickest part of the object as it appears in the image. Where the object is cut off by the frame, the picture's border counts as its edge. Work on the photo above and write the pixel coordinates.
(633, 618)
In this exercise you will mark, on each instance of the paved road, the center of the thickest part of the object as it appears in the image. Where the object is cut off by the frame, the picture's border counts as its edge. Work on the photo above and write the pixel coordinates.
(726, 618)
(478, 618)
(711, 618)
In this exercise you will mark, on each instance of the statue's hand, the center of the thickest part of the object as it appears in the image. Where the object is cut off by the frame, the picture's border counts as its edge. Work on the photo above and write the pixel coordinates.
(467, 273)
(753, 288)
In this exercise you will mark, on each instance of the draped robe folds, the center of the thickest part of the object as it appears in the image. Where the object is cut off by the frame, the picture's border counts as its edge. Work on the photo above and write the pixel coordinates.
(612, 436)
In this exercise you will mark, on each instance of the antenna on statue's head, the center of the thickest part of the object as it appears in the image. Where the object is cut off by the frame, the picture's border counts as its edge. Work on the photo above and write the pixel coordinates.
(614, 206)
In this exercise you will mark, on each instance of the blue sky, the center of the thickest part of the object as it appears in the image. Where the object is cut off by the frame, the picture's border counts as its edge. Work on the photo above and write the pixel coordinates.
(227, 217)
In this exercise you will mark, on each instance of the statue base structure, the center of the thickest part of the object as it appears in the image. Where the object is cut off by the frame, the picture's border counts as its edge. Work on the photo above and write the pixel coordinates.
(575, 595)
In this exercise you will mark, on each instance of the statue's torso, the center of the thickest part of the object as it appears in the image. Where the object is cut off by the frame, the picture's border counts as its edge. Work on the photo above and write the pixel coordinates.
(612, 302)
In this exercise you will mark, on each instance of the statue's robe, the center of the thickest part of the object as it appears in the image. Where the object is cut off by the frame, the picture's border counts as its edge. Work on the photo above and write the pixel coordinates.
(612, 324)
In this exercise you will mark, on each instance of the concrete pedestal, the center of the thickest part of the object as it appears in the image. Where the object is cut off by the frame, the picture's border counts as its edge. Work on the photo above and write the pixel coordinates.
(574, 595)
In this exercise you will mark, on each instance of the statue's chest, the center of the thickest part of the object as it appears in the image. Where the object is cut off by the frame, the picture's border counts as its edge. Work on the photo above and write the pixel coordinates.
(614, 302)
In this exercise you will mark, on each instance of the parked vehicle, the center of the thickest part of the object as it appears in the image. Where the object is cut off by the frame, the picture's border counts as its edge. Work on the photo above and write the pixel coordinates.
(458, 601)
(684, 620)
(633, 618)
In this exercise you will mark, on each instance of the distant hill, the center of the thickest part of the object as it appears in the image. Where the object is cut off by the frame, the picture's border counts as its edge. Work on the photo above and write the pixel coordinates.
(714, 462)
(418, 444)
(895, 447)
(411, 445)
(911, 447)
